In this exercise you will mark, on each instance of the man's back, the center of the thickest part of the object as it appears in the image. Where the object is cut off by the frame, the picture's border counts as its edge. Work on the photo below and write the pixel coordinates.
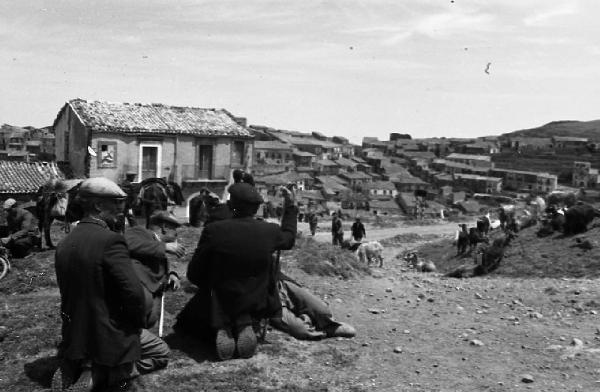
(234, 257)
(102, 301)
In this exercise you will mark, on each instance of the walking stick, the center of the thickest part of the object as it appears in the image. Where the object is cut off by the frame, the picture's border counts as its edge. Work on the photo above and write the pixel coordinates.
(161, 320)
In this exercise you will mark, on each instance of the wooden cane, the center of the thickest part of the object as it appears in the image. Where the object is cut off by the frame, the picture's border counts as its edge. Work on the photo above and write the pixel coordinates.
(161, 320)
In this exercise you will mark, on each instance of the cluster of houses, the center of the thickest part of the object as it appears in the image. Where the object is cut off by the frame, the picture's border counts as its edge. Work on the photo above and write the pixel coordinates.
(198, 147)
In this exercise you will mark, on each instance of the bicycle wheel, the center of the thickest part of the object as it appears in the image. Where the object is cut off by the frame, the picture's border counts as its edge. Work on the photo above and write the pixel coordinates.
(4, 267)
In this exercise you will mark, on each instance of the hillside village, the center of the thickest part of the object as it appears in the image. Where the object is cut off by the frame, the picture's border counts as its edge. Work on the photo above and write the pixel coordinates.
(197, 147)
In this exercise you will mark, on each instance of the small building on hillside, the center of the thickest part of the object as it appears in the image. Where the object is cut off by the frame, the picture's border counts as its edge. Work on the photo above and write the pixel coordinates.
(584, 176)
(409, 184)
(531, 144)
(567, 142)
(192, 146)
(381, 190)
(471, 160)
(304, 159)
(480, 184)
(326, 167)
(520, 180)
(357, 181)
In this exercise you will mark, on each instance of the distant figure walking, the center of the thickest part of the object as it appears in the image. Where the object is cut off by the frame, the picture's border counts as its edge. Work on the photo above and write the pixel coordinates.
(337, 231)
(358, 230)
(313, 220)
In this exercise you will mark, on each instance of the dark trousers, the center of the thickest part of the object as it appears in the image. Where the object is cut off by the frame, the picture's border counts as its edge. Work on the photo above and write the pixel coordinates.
(337, 238)
(23, 246)
(304, 314)
(155, 356)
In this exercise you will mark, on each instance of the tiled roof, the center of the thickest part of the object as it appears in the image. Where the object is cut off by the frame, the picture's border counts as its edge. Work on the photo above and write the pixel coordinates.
(326, 162)
(355, 175)
(477, 177)
(570, 139)
(22, 177)
(346, 162)
(469, 156)
(383, 205)
(387, 185)
(271, 145)
(299, 153)
(155, 119)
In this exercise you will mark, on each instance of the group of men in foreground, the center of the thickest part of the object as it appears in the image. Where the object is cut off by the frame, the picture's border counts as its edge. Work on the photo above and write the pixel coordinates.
(111, 287)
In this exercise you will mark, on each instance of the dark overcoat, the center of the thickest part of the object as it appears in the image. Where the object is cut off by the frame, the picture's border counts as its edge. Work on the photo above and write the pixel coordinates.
(234, 260)
(149, 257)
(102, 301)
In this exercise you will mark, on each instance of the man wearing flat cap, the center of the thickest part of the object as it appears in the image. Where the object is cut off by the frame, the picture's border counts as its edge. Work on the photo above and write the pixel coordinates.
(102, 300)
(234, 262)
(23, 229)
(148, 249)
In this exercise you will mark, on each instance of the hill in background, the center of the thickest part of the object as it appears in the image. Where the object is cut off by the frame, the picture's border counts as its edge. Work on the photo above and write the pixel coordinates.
(587, 129)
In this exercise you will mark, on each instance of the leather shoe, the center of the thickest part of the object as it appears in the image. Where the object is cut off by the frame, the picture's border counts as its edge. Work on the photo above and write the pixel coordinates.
(342, 330)
(225, 344)
(246, 342)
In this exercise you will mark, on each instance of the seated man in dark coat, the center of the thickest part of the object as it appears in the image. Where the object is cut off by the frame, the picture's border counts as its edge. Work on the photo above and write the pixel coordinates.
(148, 249)
(23, 229)
(102, 300)
(233, 267)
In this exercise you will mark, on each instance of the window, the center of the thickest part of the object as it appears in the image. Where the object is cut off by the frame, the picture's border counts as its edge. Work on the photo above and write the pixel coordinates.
(107, 154)
(237, 153)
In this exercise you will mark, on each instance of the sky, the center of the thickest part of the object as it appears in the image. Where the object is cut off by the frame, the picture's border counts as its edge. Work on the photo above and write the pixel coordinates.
(353, 68)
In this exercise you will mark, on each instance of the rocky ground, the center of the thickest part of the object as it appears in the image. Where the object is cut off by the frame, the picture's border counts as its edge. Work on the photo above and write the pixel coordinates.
(531, 325)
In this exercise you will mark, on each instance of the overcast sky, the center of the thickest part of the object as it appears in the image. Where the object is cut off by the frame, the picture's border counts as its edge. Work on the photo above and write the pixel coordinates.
(353, 67)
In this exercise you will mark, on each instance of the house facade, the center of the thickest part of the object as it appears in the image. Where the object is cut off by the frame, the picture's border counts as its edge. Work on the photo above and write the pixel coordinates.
(584, 176)
(182, 144)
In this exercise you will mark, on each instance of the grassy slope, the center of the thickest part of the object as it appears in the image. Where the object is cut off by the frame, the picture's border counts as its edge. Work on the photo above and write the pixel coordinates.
(528, 256)
(589, 129)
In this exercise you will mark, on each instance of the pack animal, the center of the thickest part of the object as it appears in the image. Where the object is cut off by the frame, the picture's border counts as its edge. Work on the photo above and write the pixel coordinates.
(157, 195)
(578, 217)
(490, 259)
(369, 251)
(56, 200)
(475, 237)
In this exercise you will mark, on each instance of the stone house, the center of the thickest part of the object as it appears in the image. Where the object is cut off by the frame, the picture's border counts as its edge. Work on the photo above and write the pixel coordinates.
(191, 146)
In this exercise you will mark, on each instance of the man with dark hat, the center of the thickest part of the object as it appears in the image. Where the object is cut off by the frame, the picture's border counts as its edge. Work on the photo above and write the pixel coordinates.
(23, 229)
(102, 300)
(148, 249)
(234, 262)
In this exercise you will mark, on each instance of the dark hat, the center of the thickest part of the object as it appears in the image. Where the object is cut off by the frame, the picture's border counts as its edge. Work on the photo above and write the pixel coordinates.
(101, 187)
(163, 217)
(246, 193)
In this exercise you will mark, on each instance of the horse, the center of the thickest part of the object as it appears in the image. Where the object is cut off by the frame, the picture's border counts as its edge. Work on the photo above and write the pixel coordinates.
(56, 200)
(156, 194)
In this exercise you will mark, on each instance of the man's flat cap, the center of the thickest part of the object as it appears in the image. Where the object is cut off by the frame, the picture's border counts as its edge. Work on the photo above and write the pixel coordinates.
(164, 217)
(245, 193)
(8, 203)
(101, 187)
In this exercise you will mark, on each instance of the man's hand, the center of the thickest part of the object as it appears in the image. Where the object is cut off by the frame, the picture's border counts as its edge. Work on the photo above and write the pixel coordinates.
(289, 194)
(175, 248)
(5, 240)
(174, 282)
